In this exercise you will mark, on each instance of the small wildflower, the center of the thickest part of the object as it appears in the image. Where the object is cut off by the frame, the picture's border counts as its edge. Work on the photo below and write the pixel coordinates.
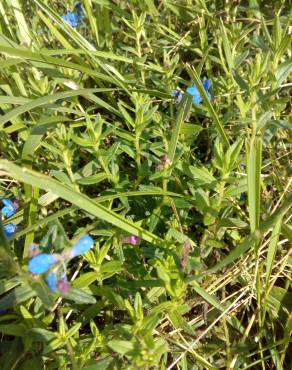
(42, 262)
(3, 312)
(193, 90)
(164, 163)
(132, 239)
(178, 95)
(9, 208)
(82, 246)
(56, 279)
(9, 230)
(74, 19)
(164, 158)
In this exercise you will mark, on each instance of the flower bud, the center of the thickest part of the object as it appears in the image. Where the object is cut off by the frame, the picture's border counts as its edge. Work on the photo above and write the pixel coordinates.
(63, 286)
(132, 239)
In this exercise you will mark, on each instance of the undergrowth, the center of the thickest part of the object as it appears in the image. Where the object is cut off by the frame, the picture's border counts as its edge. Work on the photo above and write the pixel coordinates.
(187, 202)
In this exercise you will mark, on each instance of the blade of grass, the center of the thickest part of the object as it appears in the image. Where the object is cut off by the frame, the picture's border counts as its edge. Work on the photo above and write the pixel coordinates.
(183, 112)
(272, 249)
(254, 163)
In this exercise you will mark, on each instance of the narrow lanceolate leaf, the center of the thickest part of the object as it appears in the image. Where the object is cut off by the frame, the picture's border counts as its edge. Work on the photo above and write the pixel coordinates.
(80, 200)
(183, 112)
(273, 248)
(254, 163)
(193, 74)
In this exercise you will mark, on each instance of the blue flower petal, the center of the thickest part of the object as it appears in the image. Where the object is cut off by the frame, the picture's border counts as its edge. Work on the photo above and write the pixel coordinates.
(193, 90)
(74, 19)
(9, 209)
(10, 230)
(42, 263)
(197, 99)
(52, 281)
(207, 84)
(82, 246)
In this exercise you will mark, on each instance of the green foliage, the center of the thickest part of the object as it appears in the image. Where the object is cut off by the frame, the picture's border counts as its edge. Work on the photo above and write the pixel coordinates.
(93, 142)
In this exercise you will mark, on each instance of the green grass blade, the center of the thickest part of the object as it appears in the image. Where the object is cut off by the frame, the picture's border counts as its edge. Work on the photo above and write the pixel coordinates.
(183, 112)
(272, 249)
(254, 163)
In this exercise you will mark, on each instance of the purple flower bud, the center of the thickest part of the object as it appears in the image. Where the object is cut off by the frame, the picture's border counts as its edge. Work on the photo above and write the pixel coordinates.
(82, 246)
(164, 158)
(132, 239)
(63, 286)
(10, 230)
(52, 281)
(9, 207)
(42, 262)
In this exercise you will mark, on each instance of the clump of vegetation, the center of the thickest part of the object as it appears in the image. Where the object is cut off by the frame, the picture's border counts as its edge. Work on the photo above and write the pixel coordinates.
(161, 129)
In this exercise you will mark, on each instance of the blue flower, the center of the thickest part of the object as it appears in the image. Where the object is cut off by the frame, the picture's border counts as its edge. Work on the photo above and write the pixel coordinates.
(74, 19)
(9, 208)
(52, 281)
(193, 90)
(42, 262)
(178, 96)
(10, 230)
(82, 246)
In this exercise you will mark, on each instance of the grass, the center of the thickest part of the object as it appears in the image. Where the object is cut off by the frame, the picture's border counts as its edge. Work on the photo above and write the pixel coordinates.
(92, 142)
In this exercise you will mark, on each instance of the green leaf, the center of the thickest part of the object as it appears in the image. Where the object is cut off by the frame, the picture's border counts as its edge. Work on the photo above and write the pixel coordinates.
(184, 109)
(80, 200)
(79, 296)
(121, 346)
(272, 249)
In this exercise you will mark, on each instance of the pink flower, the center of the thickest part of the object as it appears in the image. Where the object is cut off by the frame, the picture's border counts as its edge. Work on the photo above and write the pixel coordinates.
(132, 239)
(63, 286)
